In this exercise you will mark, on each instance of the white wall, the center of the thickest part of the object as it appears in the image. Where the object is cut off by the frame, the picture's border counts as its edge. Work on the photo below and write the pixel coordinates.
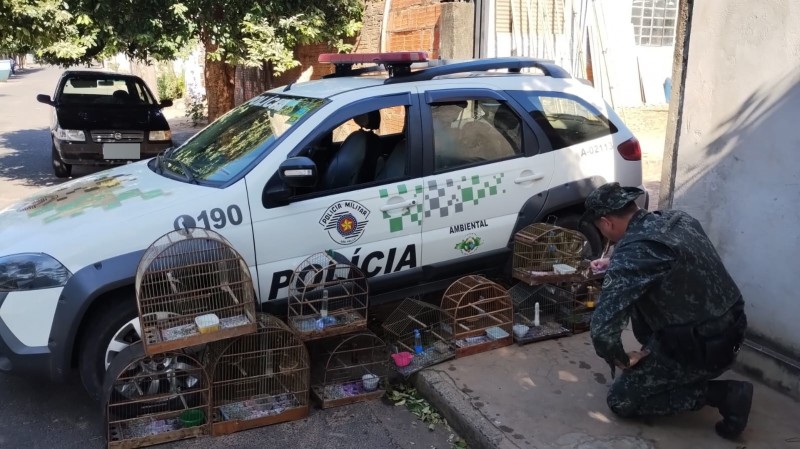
(738, 169)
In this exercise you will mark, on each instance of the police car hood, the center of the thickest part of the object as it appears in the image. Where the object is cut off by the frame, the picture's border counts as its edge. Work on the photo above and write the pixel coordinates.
(95, 217)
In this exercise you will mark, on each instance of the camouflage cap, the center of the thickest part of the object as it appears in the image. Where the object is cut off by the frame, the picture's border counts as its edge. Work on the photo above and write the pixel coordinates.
(608, 198)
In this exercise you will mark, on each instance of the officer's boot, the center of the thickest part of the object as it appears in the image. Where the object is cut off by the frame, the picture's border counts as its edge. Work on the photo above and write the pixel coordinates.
(733, 399)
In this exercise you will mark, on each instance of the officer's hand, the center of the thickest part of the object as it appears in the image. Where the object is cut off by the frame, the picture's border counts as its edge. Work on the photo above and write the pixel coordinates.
(636, 356)
(600, 265)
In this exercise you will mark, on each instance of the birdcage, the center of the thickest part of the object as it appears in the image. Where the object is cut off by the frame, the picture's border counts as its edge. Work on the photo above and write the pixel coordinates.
(327, 296)
(584, 297)
(154, 399)
(346, 369)
(480, 313)
(419, 335)
(259, 379)
(547, 253)
(193, 288)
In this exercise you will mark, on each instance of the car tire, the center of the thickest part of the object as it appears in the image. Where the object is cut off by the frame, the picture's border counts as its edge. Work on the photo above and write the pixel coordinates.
(60, 168)
(593, 237)
(103, 326)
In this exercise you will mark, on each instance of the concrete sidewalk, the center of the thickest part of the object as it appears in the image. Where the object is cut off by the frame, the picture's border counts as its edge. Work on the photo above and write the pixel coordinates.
(552, 394)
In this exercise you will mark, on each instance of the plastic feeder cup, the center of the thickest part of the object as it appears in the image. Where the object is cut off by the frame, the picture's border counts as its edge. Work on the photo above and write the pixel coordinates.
(192, 418)
(402, 359)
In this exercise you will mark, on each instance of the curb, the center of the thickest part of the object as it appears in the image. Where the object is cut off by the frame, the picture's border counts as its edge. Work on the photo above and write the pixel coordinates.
(440, 390)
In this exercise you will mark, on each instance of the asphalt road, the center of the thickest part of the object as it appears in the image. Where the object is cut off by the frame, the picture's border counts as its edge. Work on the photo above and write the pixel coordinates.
(35, 414)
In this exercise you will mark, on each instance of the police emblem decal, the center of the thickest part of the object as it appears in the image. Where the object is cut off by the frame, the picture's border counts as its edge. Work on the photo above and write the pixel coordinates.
(345, 221)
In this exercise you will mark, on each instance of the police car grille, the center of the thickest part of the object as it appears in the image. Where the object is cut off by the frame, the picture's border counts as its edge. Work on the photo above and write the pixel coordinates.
(111, 136)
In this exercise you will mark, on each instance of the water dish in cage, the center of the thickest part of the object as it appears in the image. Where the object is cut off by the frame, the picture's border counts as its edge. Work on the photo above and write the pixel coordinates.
(472, 341)
(179, 332)
(234, 321)
(549, 329)
(495, 333)
(207, 323)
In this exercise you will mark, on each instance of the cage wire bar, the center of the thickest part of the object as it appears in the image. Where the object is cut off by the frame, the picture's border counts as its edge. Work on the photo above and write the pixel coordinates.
(481, 314)
(346, 369)
(548, 311)
(153, 400)
(259, 379)
(541, 247)
(327, 296)
(192, 288)
(435, 343)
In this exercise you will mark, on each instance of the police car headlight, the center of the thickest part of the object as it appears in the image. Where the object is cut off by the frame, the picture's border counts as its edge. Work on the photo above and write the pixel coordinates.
(72, 135)
(31, 271)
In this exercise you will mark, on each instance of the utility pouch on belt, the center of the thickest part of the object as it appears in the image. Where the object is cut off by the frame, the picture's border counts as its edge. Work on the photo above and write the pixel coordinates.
(689, 344)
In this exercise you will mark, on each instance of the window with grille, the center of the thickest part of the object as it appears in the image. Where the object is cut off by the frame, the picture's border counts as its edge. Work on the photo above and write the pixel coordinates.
(654, 22)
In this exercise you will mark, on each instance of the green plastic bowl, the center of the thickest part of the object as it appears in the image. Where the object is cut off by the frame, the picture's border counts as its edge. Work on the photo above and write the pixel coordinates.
(192, 418)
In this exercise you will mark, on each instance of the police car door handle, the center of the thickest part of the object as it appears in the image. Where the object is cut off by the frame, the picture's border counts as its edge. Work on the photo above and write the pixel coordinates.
(529, 178)
(395, 206)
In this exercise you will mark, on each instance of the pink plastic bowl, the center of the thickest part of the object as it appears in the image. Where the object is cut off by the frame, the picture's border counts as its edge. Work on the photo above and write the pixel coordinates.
(402, 359)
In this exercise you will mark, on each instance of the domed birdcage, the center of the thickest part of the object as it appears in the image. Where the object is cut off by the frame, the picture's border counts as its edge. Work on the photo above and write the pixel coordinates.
(259, 379)
(192, 288)
(327, 296)
(480, 314)
(547, 253)
(346, 369)
(154, 399)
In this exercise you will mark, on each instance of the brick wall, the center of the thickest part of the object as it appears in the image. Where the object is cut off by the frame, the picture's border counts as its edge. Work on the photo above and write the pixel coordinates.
(413, 25)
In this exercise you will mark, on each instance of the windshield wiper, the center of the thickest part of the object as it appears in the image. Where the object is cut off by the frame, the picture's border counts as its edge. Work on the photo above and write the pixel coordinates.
(187, 171)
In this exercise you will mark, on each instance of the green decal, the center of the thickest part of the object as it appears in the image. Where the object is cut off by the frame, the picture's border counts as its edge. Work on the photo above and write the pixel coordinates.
(395, 224)
(469, 245)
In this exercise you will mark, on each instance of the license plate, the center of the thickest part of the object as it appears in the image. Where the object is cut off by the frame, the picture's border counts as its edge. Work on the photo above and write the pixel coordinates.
(121, 151)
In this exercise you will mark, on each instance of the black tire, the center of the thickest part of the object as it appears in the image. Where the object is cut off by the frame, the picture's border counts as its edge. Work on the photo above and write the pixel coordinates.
(102, 326)
(592, 234)
(60, 168)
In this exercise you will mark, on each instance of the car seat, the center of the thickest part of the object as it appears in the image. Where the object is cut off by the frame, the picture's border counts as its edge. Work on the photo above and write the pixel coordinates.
(395, 164)
(121, 97)
(355, 161)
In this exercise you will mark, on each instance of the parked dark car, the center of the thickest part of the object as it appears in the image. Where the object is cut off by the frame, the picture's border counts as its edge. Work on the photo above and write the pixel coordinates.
(104, 118)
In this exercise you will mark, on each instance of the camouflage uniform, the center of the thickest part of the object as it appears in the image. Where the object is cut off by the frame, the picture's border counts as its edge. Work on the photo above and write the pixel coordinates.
(664, 273)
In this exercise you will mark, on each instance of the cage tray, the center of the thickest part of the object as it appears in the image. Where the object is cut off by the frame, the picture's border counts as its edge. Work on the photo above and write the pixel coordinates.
(185, 335)
(258, 406)
(548, 330)
(148, 431)
(429, 357)
(344, 393)
(311, 327)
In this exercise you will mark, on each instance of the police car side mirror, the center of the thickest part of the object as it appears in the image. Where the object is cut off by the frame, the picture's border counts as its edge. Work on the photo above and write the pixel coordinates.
(298, 172)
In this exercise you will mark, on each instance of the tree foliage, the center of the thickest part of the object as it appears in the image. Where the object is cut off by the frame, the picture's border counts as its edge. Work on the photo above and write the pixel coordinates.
(233, 32)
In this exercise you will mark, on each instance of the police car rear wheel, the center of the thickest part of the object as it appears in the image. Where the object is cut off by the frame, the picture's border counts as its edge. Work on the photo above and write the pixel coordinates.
(595, 241)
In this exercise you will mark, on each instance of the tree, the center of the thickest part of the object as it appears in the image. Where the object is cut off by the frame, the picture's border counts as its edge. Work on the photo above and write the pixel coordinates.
(254, 34)
(46, 27)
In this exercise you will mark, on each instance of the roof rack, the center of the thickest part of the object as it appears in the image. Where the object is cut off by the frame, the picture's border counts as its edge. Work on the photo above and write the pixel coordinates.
(512, 64)
(396, 63)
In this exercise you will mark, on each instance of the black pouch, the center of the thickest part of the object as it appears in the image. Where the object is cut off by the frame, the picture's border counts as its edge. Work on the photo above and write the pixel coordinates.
(682, 344)
(720, 350)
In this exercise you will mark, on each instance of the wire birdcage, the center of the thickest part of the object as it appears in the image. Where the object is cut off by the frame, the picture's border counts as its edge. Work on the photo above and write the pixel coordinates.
(346, 369)
(548, 253)
(420, 335)
(548, 311)
(259, 379)
(154, 399)
(192, 288)
(480, 314)
(327, 296)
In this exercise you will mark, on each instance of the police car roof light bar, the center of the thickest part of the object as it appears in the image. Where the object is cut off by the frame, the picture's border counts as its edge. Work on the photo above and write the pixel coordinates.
(512, 64)
(396, 63)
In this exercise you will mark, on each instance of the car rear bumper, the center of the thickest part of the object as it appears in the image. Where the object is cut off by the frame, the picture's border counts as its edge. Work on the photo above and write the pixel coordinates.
(90, 153)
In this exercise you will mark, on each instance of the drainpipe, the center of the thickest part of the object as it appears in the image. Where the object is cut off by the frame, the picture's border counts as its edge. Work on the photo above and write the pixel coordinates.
(387, 6)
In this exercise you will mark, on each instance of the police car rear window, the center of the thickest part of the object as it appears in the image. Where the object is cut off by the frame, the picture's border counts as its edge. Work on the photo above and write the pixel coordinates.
(566, 120)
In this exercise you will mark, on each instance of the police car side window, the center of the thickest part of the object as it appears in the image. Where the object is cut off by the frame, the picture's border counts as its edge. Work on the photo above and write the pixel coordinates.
(474, 131)
(361, 150)
(567, 121)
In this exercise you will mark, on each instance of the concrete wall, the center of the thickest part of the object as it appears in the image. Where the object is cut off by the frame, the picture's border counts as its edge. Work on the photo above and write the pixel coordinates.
(736, 165)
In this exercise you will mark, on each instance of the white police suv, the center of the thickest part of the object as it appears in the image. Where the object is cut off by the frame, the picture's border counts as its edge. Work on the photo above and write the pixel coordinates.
(418, 176)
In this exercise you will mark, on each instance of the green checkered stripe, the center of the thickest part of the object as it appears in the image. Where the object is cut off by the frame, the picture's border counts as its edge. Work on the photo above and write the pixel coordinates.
(410, 216)
(451, 196)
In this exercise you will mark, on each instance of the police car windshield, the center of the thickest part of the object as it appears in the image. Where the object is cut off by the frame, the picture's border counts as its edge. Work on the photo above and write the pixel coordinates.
(221, 151)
